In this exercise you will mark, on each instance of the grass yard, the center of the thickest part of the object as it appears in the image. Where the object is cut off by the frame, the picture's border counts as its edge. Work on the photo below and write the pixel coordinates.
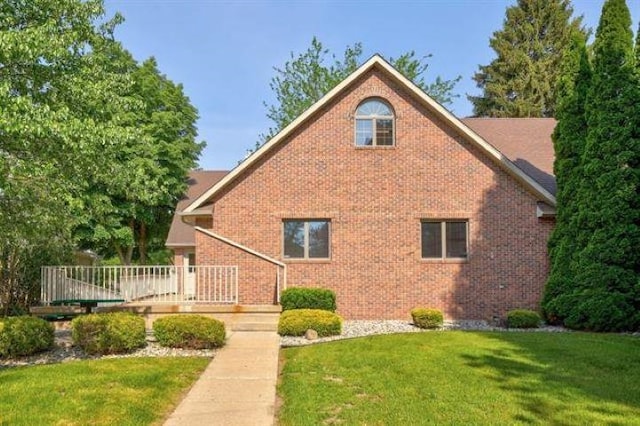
(464, 378)
(125, 391)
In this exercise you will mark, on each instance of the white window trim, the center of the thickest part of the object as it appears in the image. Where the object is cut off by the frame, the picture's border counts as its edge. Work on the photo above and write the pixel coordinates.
(373, 119)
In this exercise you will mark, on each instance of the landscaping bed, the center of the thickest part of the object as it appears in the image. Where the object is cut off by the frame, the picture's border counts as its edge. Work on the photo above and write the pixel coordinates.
(63, 351)
(361, 328)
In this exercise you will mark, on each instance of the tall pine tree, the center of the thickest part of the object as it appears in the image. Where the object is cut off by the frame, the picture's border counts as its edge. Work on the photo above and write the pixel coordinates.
(568, 139)
(521, 81)
(638, 49)
(606, 289)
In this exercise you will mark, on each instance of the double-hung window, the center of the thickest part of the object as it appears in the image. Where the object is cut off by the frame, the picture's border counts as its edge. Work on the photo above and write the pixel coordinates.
(445, 239)
(306, 239)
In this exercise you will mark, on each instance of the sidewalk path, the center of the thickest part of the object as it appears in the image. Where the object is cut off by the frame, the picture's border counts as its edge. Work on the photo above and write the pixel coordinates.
(238, 387)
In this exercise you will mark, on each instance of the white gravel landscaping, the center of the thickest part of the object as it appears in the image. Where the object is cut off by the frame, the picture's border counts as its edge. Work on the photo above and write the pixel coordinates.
(361, 328)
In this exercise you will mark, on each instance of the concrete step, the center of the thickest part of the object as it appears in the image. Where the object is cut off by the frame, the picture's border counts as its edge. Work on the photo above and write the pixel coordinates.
(254, 326)
(250, 321)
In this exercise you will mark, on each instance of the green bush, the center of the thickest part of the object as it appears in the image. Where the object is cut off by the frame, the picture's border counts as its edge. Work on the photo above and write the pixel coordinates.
(523, 318)
(297, 321)
(308, 298)
(427, 318)
(189, 331)
(24, 335)
(108, 333)
(598, 310)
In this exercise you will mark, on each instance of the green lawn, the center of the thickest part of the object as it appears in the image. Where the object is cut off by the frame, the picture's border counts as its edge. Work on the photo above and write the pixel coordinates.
(125, 391)
(464, 378)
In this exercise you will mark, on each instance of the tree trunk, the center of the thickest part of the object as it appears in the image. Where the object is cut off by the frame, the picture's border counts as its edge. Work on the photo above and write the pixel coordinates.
(120, 252)
(142, 243)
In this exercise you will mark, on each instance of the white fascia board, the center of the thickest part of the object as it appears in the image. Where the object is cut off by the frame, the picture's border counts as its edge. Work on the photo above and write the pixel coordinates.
(530, 184)
(266, 147)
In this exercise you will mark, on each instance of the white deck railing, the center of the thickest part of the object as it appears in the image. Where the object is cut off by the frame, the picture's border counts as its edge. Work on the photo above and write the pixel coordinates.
(151, 284)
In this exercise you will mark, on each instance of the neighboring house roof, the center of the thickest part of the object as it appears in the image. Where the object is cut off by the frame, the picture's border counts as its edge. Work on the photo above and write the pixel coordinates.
(532, 185)
(180, 233)
(525, 141)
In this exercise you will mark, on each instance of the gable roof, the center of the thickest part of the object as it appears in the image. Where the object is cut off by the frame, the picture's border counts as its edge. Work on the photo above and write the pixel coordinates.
(525, 141)
(379, 63)
(181, 234)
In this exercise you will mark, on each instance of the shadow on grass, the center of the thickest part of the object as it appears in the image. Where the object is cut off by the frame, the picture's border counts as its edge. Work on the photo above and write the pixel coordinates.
(565, 378)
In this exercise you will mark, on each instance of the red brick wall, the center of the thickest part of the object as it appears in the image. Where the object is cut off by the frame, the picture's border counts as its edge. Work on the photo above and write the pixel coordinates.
(375, 199)
(257, 278)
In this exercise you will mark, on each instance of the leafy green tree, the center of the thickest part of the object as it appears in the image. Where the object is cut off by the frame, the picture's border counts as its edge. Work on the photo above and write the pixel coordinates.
(63, 120)
(606, 290)
(521, 80)
(170, 120)
(569, 140)
(124, 214)
(415, 70)
(306, 78)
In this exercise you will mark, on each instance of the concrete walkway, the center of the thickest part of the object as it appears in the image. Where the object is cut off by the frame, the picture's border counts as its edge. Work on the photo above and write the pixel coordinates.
(238, 387)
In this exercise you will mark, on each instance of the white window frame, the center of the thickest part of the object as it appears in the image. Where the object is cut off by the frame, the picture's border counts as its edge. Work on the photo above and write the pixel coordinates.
(373, 119)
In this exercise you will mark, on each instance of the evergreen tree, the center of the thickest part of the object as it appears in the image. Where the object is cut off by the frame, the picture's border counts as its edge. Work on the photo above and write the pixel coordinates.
(521, 81)
(638, 49)
(568, 139)
(606, 288)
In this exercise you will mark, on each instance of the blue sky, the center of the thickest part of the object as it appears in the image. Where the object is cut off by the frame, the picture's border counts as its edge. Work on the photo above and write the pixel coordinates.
(223, 52)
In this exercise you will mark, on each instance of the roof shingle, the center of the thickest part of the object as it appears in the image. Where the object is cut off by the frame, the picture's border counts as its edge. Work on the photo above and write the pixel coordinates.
(525, 141)
(180, 233)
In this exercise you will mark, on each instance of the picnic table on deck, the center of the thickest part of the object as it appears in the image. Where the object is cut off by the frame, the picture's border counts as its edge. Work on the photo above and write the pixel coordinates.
(87, 304)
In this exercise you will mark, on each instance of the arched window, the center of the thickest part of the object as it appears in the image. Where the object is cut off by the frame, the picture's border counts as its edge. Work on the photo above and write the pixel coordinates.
(374, 124)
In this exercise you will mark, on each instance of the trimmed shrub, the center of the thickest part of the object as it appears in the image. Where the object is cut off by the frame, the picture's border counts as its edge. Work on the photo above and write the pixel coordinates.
(297, 321)
(308, 298)
(108, 333)
(427, 318)
(24, 335)
(523, 318)
(189, 331)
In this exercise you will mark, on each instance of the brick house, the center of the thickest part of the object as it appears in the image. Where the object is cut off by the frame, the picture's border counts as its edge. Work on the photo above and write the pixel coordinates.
(382, 195)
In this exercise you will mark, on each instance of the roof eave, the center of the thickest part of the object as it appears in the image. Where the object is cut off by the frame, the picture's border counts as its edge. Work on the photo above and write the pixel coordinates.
(179, 245)
(266, 147)
(531, 185)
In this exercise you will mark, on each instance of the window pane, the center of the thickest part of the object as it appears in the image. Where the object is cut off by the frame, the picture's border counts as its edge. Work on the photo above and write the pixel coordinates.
(319, 239)
(374, 107)
(384, 132)
(431, 239)
(293, 238)
(456, 239)
(364, 132)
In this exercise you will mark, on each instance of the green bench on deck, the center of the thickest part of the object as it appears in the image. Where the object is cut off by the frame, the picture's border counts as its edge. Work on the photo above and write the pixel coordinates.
(87, 304)
(66, 309)
(57, 313)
